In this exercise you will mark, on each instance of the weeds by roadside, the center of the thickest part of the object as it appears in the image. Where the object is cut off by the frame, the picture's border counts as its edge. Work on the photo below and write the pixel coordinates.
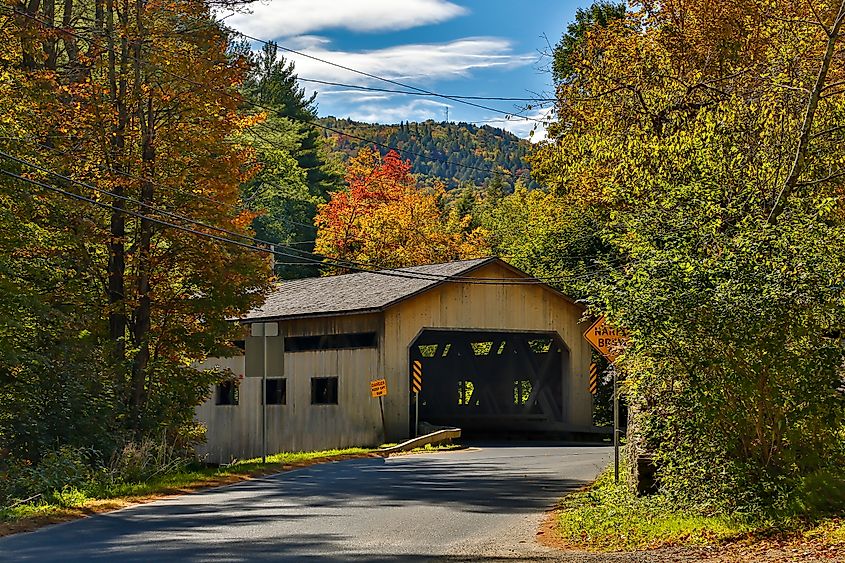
(608, 517)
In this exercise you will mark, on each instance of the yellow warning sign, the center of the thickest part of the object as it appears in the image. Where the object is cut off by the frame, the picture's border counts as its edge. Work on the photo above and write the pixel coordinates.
(416, 376)
(378, 388)
(608, 341)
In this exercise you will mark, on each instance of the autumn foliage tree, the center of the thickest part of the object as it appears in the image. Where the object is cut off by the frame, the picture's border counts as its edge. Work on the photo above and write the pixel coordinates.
(705, 139)
(134, 106)
(383, 219)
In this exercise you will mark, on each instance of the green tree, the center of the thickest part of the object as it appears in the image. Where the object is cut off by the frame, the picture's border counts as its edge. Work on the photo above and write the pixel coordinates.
(106, 304)
(297, 170)
(709, 156)
(597, 15)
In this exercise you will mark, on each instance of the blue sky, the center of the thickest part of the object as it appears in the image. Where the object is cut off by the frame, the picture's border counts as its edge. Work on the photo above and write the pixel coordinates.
(455, 47)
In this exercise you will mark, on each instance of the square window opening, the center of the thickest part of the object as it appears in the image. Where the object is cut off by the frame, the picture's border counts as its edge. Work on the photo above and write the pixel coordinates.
(324, 390)
(277, 391)
(227, 393)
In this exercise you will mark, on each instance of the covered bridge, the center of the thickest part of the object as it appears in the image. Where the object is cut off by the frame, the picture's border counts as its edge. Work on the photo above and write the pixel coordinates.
(498, 351)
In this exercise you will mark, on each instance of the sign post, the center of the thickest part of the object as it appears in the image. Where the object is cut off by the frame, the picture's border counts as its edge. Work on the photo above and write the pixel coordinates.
(609, 342)
(378, 388)
(264, 330)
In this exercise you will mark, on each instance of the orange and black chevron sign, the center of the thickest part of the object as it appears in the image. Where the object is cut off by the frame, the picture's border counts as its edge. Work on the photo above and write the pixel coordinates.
(594, 379)
(416, 377)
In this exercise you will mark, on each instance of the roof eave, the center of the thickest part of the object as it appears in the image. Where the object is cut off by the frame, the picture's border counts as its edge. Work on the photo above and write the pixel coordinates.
(276, 318)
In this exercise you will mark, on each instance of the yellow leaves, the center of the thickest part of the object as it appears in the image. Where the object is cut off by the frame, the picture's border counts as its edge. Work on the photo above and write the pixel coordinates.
(247, 120)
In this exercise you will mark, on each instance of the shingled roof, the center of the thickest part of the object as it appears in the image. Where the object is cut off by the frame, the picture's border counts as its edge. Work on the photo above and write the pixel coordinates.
(360, 292)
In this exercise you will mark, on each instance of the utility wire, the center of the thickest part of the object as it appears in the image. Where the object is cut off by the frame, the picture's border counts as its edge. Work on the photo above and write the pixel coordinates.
(239, 98)
(406, 93)
(269, 247)
(261, 107)
(170, 188)
(376, 77)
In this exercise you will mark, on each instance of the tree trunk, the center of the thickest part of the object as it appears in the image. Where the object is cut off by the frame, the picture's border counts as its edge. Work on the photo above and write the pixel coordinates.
(117, 221)
(143, 311)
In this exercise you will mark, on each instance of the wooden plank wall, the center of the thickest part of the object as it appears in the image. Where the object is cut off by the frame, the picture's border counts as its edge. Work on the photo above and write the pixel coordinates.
(232, 431)
(355, 420)
(491, 307)
(235, 431)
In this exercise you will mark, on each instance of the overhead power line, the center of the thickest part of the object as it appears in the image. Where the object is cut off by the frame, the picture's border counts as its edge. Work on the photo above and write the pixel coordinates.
(289, 245)
(381, 78)
(258, 106)
(406, 93)
(344, 264)
(253, 243)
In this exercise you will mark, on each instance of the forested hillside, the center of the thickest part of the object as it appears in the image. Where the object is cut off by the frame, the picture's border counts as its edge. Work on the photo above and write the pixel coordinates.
(457, 153)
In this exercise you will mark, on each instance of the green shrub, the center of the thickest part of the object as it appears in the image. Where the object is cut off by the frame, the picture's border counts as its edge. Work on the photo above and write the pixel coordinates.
(819, 494)
(608, 516)
(65, 467)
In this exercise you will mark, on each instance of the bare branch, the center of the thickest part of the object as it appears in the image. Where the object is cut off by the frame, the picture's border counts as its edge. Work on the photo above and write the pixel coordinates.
(828, 131)
(819, 21)
(828, 178)
(833, 85)
(799, 163)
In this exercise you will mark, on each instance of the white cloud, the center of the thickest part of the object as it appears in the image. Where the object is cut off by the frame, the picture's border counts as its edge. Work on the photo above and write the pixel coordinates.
(417, 110)
(523, 127)
(427, 61)
(285, 18)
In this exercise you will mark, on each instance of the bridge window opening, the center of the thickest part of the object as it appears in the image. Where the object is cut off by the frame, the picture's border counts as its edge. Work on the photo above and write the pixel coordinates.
(446, 349)
(481, 348)
(501, 348)
(324, 390)
(540, 346)
(521, 391)
(277, 391)
(428, 350)
(331, 342)
(465, 392)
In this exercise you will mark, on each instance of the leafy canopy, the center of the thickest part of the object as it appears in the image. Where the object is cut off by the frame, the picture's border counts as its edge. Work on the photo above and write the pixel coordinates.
(384, 220)
(686, 129)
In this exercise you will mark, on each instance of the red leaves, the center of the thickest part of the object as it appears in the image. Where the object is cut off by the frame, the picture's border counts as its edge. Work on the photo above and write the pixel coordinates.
(383, 219)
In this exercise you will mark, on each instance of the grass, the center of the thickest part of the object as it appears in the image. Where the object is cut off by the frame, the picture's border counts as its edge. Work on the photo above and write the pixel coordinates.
(75, 503)
(608, 517)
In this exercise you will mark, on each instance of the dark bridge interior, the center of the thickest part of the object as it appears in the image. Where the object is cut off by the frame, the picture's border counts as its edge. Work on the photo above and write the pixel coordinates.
(491, 383)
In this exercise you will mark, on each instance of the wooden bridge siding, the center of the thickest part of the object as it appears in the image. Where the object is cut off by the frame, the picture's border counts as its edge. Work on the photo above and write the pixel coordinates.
(354, 421)
(298, 425)
(231, 430)
(485, 307)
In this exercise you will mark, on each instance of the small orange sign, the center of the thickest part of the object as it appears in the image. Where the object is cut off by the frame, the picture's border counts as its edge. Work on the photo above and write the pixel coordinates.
(608, 341)
(378, 388)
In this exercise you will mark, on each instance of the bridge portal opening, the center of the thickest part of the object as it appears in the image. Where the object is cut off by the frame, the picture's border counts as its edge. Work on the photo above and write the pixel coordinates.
(490, 383)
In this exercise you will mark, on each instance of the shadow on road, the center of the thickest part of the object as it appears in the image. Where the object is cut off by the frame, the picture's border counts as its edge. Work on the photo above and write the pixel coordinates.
(192, 527)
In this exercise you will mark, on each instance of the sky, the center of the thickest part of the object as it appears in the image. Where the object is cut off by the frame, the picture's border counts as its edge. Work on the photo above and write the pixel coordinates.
(451, 47)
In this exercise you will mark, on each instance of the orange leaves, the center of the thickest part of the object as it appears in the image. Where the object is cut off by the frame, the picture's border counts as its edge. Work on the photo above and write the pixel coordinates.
(385, 220)
(243, 220)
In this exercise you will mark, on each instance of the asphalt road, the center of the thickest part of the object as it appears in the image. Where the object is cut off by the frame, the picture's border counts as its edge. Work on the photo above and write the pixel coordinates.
(483, 503)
